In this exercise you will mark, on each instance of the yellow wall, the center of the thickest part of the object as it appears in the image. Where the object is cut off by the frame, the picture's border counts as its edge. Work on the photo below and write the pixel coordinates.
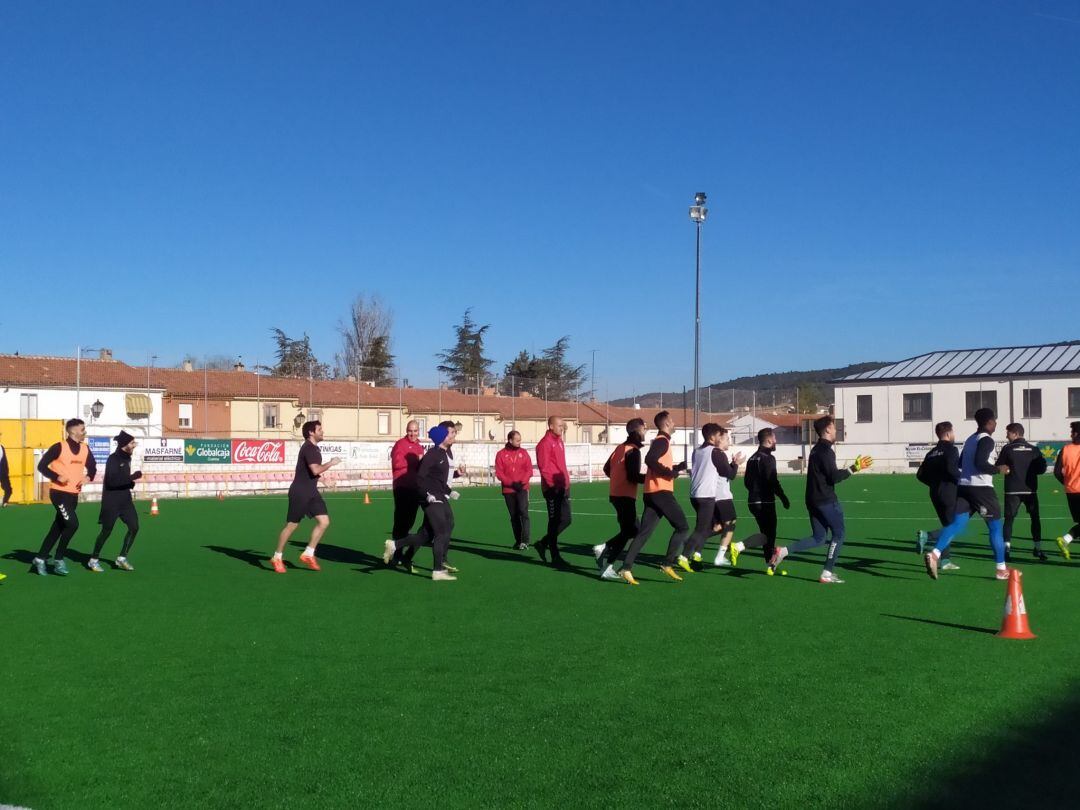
(20, 438)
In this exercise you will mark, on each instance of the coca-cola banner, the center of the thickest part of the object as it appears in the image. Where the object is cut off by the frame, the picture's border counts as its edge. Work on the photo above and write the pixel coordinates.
(258, 451)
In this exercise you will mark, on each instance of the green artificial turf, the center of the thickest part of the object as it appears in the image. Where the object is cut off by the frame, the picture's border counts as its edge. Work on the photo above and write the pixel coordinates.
(204, 680)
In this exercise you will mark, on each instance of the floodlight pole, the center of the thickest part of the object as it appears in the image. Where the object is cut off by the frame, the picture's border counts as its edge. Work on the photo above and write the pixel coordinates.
(698, 212)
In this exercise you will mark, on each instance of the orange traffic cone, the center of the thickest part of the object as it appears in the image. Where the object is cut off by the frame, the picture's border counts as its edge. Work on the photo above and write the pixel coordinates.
(367, 499)
(1015, 622)
(220, 495)
(153, 507)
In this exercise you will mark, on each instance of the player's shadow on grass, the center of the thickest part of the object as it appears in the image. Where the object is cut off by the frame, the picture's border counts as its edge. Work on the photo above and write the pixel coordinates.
(26, 556)
(969, 627)
(340, 554)
(490, 551)
(874, 567)
(254, 558)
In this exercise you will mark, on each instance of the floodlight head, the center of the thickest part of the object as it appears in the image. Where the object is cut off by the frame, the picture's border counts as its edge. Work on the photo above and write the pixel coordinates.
(699, 198)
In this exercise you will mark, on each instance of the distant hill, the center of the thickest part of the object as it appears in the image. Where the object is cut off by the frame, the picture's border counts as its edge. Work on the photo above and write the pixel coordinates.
(783, 389)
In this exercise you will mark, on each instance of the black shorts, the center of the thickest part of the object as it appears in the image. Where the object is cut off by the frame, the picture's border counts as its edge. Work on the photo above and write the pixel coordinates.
(112, 513)
(980, 501)
(724, 513)
(305, 506)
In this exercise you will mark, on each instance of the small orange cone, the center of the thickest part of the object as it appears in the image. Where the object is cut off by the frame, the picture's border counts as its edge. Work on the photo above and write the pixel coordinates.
(367, 499)
(1015, 622)
(220, 495)
(153, 508)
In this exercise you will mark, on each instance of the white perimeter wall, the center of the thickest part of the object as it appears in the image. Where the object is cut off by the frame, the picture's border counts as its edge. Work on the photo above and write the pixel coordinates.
(60, 403)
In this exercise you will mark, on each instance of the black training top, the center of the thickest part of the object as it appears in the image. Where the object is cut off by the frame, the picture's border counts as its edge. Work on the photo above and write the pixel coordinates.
(1026, 464)
(119, 481)
(940, 471)
(760, 479)
(305, 482)
(822, 474)
(433, 477)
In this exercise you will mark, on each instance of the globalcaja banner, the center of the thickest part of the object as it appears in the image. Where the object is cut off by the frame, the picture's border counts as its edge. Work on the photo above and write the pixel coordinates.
(163, 451)
(208, 451)
(1050, 451)
(258, 451)
(100, 447)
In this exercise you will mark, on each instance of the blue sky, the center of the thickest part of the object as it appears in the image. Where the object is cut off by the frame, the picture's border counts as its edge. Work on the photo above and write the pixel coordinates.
(883, 179)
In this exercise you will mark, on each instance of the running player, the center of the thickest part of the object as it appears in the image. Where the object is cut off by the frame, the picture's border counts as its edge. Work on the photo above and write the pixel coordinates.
(940, 471)
(1025, 463)
(975, 494)
(826, 514)
(304, 497)
(555, 485)
(623, 469)
(69, 465)
(5, 478)
(116, 502)
(405, 458)
(762, 489)
(1067, 471)
(433, 485)
(514, 469)
(660, 502)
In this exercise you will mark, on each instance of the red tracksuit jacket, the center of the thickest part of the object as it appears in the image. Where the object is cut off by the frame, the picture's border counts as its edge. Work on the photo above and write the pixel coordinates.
(513, 466)
(551, 459)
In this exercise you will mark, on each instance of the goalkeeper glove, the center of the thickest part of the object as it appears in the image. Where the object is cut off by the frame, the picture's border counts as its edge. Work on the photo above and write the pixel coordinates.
(861, 463)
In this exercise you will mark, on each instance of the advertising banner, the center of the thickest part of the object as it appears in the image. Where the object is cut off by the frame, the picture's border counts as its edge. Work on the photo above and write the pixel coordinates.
(100, 447)
(208, 451)
(331, 449)
(1050, 451)
(258, 451)
(163, 451)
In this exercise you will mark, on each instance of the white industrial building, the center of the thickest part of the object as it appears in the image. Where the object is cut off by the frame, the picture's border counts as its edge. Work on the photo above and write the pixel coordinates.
(1037, 386)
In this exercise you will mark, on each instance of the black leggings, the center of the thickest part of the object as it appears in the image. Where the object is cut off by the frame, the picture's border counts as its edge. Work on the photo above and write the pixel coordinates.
(130, 519)
(705, 510)
(1012, 509)
(64, 524)
(765, 515)
(436, 529)
(558, 510)
(1074, 509)
(406, 505)
(626, 515)
(659, 505)
(517, 504)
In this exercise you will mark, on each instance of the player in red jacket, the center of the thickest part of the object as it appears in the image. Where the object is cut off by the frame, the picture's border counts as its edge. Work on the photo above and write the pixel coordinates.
(405, 458)
(514, 469)
(555, 484)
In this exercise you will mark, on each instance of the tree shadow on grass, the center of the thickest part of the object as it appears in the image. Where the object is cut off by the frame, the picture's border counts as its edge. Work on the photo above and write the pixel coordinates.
(1030, 765)
(255, 558)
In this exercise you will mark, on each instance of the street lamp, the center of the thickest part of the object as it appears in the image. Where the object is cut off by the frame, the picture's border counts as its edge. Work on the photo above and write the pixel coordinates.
(78, 378)
(96, 409)
(698, 212)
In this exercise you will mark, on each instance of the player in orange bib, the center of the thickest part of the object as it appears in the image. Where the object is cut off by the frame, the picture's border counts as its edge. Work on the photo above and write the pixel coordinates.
(69, 465)
(1067, 471)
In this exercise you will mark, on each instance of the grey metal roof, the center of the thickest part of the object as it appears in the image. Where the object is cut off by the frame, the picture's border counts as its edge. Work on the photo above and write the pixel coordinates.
(1052, 358)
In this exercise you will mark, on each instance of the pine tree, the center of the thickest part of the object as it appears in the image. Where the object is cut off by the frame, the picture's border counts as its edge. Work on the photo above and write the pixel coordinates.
(296, 359)
(465, 364)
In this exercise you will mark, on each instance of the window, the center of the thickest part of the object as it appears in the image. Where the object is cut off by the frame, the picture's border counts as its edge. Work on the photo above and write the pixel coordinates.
(422, 422)
(1074, 402)
(183, 415)
(586, 435)
(864, 408)
(28, 406)
(917, 407)
(980, 399)
(478, 428)
(384, 423)
(1033, 403)
(314, 415)
(270, 416)
(839, 430)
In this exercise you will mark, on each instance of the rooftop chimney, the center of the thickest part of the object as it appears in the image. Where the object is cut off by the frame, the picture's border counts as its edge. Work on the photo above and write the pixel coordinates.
(186, 366)
(238, 365)
(105, 354)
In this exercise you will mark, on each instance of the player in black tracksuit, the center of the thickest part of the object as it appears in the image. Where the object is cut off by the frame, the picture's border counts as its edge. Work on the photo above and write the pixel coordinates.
(763, 489)
(1026, 463)
(116, 502)
(940, 472)
(433, 486)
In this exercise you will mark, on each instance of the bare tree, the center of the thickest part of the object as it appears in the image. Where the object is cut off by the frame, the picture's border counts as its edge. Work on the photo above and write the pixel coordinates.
(365, 342)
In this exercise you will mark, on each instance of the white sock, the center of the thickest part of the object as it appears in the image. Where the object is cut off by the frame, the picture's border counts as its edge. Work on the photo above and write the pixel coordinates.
(740, 547)
(38, 560)
(1008, 544)
(277, 555)
(121, 558)
(95, 559)
(1001, 566)
(309, 551)
(936, 553)
(1067, 538)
